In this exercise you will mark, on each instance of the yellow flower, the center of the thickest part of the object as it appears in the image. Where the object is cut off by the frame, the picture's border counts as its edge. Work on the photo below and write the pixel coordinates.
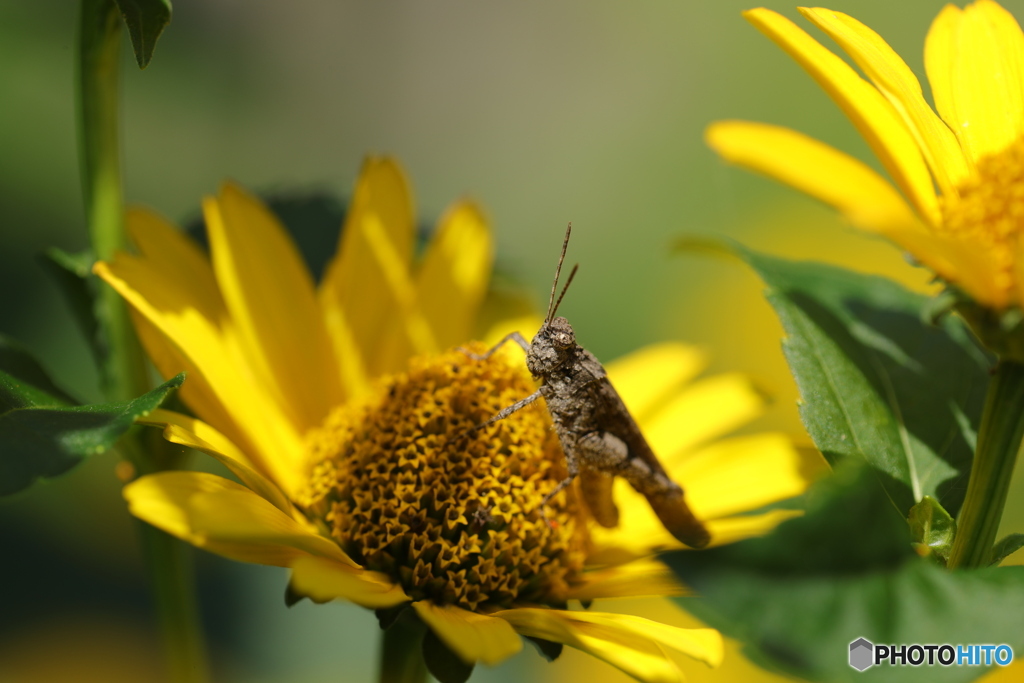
(958, 175)
(358, 467)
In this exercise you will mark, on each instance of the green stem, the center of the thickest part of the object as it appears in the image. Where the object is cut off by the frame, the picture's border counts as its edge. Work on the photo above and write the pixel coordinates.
(123, 371)
(401, 651)
(171, 572)
(999, 440)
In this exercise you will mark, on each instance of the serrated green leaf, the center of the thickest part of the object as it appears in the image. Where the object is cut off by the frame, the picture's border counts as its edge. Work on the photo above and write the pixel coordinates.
(39, 442)
(798, 597)
(146, 20)
(1006, 547)
(932, 529)
(23, 382)
(877, 384)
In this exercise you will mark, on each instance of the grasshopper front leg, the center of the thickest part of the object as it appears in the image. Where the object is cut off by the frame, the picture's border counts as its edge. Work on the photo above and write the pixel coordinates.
(511, 336)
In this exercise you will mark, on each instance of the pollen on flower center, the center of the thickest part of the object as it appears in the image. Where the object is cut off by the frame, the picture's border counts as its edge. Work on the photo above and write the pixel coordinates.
(990, 208)
(407, 488)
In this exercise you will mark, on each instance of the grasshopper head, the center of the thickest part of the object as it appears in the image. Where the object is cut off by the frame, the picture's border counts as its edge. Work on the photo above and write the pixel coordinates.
(552, 346)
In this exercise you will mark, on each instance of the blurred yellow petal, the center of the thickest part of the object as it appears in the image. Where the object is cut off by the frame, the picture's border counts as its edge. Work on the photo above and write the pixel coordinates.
(850, 186)
(646, 378)
(225, 518)
(208, 347)
(270, 294)
(168, 249)
(645, 577)
(872, 115)
(324, 579)
(193, 433)
(705, 409)
(369, 279)
(734, 529)
(456, 269)
(471, 636)
(897, 82)
(629, 643)
(975, 62)
(742, 473)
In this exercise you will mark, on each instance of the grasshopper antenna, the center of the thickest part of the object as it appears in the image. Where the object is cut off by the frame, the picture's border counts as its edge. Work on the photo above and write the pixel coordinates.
(561, 296)
(558, 271)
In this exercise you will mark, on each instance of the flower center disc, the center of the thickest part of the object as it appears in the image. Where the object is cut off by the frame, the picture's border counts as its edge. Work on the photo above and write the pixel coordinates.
(990, 208)
(407, 487)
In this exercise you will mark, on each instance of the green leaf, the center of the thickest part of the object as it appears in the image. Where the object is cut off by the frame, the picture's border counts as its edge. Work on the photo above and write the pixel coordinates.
(932, 529)
(1006, 547)
(798, 597)
(41, 440)
(146, 20)
(23, 382)
(442, 663)
(878, 384)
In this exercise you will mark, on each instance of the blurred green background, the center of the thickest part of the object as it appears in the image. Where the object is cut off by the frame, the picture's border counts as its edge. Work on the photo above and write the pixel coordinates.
(584, 111)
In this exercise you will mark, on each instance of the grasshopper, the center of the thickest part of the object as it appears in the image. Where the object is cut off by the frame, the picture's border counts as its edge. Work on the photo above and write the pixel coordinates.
(599, 437)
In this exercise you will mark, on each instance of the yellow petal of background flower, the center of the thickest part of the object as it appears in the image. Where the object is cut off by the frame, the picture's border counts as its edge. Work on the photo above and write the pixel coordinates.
(368, 279)
(626, 642)
(865, 198)
(648, 377)
(975, 59)
(323, 579)
(270, 295)
(226, 518)
(208, 346)
(473, 637)
(640, 578)
(193, 433)
(744, 473)
(897, 82)
(703, 410)
(874, 117)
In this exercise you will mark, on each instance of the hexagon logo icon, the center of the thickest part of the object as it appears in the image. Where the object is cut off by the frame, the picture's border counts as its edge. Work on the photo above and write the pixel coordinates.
(861, 654)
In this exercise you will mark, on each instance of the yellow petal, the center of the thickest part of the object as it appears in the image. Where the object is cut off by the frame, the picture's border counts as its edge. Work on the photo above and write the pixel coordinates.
(368, 279)
(180, 259)
(705, 409)
(646, 378)
(453, 277)
(322, 580)
(863, 197)
(629, 643)
(874, 117)
(225, 518)
(897, 82)
(196, 392)
(270, 295)
(193, 433)
(640, 578)
(471, 636)
(975, 60)
(743, 473)
(209, 348)
(733, 529)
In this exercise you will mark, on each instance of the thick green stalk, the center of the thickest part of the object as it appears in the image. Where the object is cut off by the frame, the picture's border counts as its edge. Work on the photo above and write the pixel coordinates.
(124, 371)
(999, 440)
(401, 652)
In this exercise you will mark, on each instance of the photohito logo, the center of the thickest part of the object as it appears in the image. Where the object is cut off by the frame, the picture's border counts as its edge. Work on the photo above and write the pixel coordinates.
(865, 654)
